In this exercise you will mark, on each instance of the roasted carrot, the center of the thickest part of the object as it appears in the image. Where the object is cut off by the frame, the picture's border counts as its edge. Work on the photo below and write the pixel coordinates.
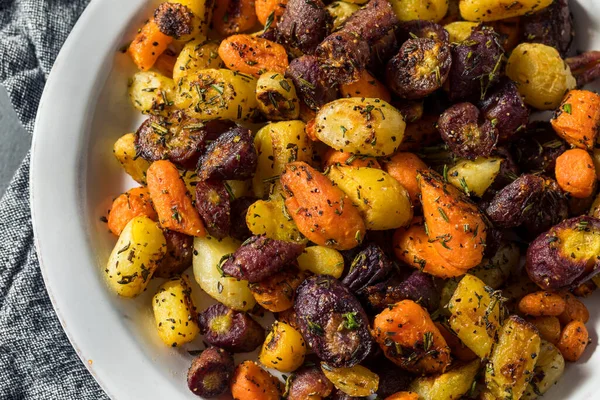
(251, 382)
(165, 63)
(333, 157)
(577, 118)
(148, 45)
(129, 205)
(453, 222)
(233, 16)
(412, 246)
(575, 310)
(542, 304)
(420, 133)
(509, 31)
(366, 86)
(172, 200)
(404, 168)
(573, 340)
(264, 9)
(403, 396)
(253, 55)
(585, 289)
(277, 292)
(310, 130)
(407, 326)
(575, 173)
(548, 327)
(321, 211)
(596, 159)
(457, 347)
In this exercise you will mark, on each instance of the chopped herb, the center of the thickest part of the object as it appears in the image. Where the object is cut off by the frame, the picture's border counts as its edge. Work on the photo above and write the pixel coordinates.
(161, 130)
(124, 249)
(288, 379)
(271, 179)
(222, 261)
(427, 340)
(306, 83)
(286, 214)
(463, 185)
(194, 127)
(272, 99)
(314, 327)
(582, 225)
(229, 191)
(443, 214)
(176, 216)
(269, 20)
(126, 279)
(350, 159)
(358, 237)
(350, 323)
(567, 108)
(285, 85)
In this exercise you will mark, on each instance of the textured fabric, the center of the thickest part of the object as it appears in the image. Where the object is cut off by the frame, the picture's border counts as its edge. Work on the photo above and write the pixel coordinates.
(36, 359)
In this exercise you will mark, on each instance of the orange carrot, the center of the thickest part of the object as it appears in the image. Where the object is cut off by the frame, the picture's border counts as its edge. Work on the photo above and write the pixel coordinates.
(510, 32)
(321, 211)
(403, 396)
(264, 8)
(575, 310)
(585, 289)
(172, 200)
(548, 327)
(420, 133)
(412, 246)
(406, 325)
(277, 292)
(404, 168)
(366, 86)
(542, 304)
(457, 347)
(573, 340)
(251, 382)
(166, 63)
(148, 45)
(575, 173)
(310, 130)
(253, 55)
(577, 118)
(307, 115)
(333, 157)
(129, 205)
(411, 110)
(596, 159)
(233, 16)
(453, 222)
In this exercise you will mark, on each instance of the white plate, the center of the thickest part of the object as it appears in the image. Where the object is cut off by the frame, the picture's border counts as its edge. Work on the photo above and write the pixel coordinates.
(74, 177)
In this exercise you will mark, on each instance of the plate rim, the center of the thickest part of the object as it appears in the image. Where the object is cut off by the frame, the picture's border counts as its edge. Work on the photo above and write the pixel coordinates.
(87, 27)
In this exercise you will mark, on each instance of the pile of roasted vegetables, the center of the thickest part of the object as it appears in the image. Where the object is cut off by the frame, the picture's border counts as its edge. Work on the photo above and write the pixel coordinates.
(367, 172)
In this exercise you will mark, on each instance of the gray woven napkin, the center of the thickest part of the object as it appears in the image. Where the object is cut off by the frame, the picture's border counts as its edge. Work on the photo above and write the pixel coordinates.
(36, 359)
